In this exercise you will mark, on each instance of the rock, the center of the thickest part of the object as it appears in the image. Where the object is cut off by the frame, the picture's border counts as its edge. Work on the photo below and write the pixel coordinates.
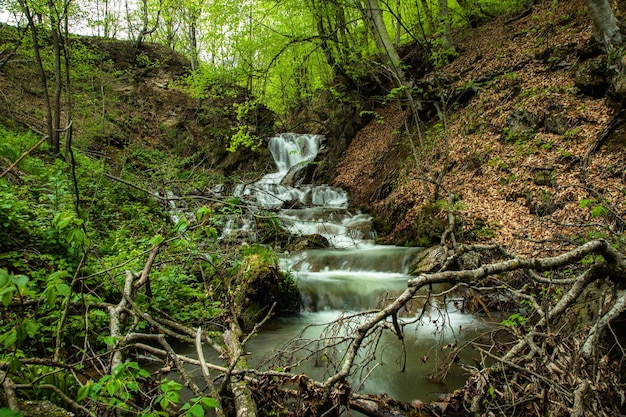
(308, 242)
(259, 284)
(42, 408)
(557, 123)
(300, 174)
(521, 121)
(591, 77)
(428, 260)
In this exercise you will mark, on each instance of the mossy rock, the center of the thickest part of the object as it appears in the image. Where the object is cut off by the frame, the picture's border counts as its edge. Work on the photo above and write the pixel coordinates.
(429, 260)
(591, 77)
(260, 284)
(41, 409)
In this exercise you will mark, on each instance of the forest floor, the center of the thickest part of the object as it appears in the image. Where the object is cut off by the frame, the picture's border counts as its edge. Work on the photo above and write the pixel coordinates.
(530, 189)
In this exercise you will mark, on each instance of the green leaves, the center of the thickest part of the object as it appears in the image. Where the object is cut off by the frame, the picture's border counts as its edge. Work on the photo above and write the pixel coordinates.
(596, 208)
(10, 285)
(68, 225)
(196, 407)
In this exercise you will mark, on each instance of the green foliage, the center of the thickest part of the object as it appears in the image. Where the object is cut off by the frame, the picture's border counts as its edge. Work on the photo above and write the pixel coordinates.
(519, 138)
(243, 136)
(596, 208)
(515, 320)
(117, 389)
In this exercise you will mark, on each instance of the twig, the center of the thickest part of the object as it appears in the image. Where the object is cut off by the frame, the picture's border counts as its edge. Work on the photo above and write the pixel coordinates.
(67, 399)
(205, 372)
(9, 390)
(597, 329)
(6, 171)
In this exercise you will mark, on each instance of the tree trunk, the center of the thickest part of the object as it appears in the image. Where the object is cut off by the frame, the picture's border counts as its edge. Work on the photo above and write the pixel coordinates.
(58, 83)
(374, 17)
(605, 28)
(244, 401)
(430, 23)
(42, 73)
(444, 16)
(606, 31)
(193, 41)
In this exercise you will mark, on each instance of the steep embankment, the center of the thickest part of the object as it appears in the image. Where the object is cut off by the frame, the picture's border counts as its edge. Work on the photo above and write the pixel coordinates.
(126, 98)
(516, 153)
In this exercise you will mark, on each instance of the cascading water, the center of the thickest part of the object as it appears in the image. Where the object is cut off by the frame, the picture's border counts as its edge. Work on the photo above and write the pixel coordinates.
(352, 275)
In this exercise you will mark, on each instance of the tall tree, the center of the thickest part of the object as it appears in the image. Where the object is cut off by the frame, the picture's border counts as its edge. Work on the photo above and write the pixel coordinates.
(607, 32)
(55, 14)
(373, 15)
(428, 14)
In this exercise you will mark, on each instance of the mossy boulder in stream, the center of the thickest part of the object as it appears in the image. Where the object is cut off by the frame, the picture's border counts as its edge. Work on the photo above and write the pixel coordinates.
(258, 285)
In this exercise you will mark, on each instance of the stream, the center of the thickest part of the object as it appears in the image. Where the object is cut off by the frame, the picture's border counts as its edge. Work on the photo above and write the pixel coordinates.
(353, 275)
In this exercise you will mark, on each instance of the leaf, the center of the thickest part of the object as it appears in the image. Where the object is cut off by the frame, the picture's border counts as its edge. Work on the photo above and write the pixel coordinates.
(63, 289)
(7, 296)
(19, 280)
(62, 220)
(15, 365)
(132, 386)
(32, 328)
(209, 402)
(9, 338)
(196, 411)
(83, 392)
(109, 340)
(202, 213)
(157, 240)
(4, 277)
(58, 275)
(100, 313)
(598, 211)
(181, 226)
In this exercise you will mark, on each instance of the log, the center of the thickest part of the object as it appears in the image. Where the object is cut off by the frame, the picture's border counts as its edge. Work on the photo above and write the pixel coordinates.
(245, 406)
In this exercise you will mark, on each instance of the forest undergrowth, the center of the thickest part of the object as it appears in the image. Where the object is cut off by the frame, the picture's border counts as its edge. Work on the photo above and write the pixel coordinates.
(514, 178)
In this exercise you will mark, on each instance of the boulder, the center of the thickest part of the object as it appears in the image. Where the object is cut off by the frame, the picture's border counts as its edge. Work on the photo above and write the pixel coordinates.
(429, 260)
(591, 77)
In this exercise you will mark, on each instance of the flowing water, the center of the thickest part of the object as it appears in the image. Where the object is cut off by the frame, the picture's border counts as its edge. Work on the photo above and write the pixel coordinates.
(353, 275)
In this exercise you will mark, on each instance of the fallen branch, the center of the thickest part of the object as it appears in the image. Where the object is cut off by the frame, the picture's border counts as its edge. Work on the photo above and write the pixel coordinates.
(17, 161)
(610, 254)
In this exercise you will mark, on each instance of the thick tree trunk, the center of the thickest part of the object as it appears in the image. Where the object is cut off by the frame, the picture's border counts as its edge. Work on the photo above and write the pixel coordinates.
(606, 31)
(605, 27)
(374, 16)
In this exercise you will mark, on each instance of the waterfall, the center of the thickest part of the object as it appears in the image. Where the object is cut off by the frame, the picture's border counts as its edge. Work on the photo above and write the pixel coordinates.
(354, 274)
(290, 149)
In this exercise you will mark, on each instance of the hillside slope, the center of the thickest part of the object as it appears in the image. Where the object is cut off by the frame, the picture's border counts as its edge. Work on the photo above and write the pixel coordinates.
(516, 152)
(125, 98)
